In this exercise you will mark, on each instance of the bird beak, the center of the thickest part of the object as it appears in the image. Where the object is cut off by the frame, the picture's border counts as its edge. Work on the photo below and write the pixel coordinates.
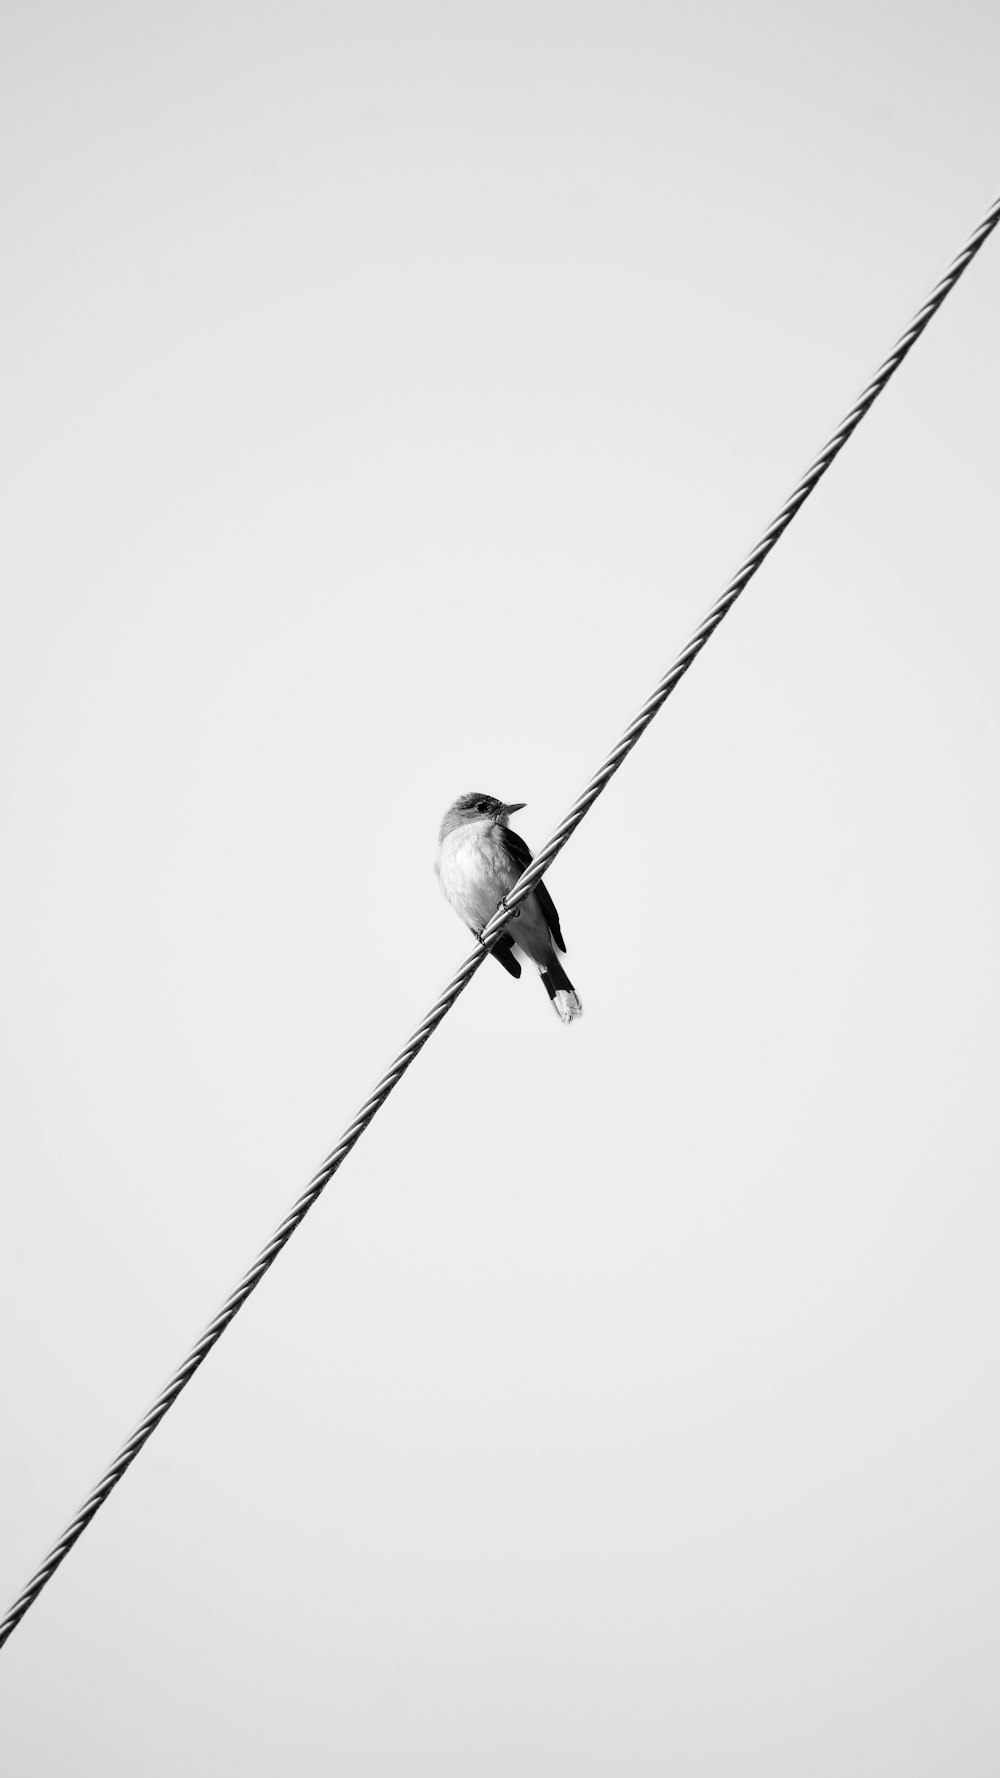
(512, 808)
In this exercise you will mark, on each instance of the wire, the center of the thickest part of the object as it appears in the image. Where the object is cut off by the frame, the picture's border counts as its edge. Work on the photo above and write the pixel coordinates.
(491, 932)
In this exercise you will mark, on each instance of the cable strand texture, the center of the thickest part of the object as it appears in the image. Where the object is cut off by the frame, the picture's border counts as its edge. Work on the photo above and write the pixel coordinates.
(491, 932)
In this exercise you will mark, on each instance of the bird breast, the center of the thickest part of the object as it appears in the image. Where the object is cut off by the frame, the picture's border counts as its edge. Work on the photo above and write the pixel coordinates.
(475, 870)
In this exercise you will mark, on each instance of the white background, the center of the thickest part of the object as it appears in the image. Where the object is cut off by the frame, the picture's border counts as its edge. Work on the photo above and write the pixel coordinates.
(387, 392)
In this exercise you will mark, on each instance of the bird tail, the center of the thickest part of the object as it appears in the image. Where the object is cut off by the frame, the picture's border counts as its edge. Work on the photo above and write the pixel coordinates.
(560, 990)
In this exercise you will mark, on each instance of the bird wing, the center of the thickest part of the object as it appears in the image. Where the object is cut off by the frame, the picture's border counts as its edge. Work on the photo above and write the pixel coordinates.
(521, 854)
(503, 951)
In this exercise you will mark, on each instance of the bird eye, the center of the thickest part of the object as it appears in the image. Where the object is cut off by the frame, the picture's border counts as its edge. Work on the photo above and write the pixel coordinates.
(481, 808)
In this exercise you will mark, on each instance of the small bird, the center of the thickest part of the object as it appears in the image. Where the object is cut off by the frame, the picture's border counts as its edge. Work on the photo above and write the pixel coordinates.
(479, 859)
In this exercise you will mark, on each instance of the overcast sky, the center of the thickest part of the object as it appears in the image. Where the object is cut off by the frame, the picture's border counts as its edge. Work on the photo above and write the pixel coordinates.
(388, 390)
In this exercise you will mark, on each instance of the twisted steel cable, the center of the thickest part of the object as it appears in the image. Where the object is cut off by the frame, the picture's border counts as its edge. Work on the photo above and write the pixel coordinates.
(491, 932)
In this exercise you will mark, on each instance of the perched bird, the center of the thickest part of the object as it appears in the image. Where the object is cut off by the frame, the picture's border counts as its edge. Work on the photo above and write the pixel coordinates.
(479, 859)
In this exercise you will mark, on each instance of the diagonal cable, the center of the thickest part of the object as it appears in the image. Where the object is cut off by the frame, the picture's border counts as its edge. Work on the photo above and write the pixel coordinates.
(491, 932)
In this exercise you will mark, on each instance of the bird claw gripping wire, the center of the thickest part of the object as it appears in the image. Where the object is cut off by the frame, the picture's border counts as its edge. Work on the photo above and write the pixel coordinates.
(501, 908)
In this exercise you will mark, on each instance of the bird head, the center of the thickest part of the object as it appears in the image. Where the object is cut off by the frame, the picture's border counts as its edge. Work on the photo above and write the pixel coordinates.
(474, 806)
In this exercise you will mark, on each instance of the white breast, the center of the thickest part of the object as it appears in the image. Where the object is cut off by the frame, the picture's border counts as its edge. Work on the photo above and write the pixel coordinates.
(473, 872)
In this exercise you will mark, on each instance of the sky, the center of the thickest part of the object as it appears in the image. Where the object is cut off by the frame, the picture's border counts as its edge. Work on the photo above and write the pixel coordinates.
(388, 392)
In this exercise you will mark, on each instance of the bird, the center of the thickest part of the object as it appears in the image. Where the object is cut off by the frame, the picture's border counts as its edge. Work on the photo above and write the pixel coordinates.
(479, 859)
